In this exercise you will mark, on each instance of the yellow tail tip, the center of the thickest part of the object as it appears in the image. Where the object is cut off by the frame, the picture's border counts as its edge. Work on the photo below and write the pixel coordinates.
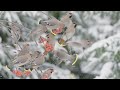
(7, 67)
(62, 45)
(27, 70)
(75, 60)
(53, 33)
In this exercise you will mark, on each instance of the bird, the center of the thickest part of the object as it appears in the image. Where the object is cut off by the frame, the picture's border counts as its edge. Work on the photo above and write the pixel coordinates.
(68, 34)
(40, 29)
(22, 60)
(66, 19)
(81, 43)
(14, 37)
(53, 23)
(34, 55)
(57, 26)
(13, 27)
(28, 66)
(24, 50)
(64, 56)
(47, 74)
(23, 57)
(38, 61)
(29, 61)
(50, 44)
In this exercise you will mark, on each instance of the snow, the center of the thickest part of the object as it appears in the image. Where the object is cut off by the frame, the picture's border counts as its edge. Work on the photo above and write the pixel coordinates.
(106, 71)
(99, 59)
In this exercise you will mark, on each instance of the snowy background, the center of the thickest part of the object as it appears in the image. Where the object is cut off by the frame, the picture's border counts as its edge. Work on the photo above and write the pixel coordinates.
(99, 61)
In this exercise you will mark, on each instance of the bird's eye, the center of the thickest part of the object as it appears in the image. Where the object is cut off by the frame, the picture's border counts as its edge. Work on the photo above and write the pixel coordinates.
(51, 70)
(75, 25)
(38, 52)
(47, 23)
(65, 28)
(70, 16)
(31, 69)
(83, 48)
(40, 22)
(70, 13)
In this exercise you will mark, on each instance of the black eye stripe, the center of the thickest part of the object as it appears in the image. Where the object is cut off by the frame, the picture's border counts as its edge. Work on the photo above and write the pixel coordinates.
(40, 22)
(70, 16)
(70, 13)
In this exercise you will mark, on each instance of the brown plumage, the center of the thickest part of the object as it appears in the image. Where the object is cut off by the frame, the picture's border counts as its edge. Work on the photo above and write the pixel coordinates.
(83, 43)
(50, 44)
(22, 60)
(63, 55)
(38, 61)
(15, 31)
(35, 55)
(68, 34)
(24, 50)
(40, 29)
(47, 74)
(66, 19)
(70, 31)
(53, 23)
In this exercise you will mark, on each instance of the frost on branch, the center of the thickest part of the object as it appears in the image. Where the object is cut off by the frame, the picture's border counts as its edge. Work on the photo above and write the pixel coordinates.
(91, 51)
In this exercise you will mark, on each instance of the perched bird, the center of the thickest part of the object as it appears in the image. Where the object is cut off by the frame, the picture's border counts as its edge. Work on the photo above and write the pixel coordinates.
(35, 55)
(83, 43)
(51, 39)
(53, 23)
(66, 19)
(15, 33)
(30, 62)
(14, 37)
(57, 26)
(22, 60)
(15, 29)
(24, 50)
(68, 34)
(42, 39)
(50, 44)
(70, 31)
(64, 56)
(39, 30)
(38, 61)
(47, 74)
(23, 57)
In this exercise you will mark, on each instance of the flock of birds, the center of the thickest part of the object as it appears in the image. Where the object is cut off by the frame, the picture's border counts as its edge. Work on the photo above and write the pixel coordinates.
(31, 60)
